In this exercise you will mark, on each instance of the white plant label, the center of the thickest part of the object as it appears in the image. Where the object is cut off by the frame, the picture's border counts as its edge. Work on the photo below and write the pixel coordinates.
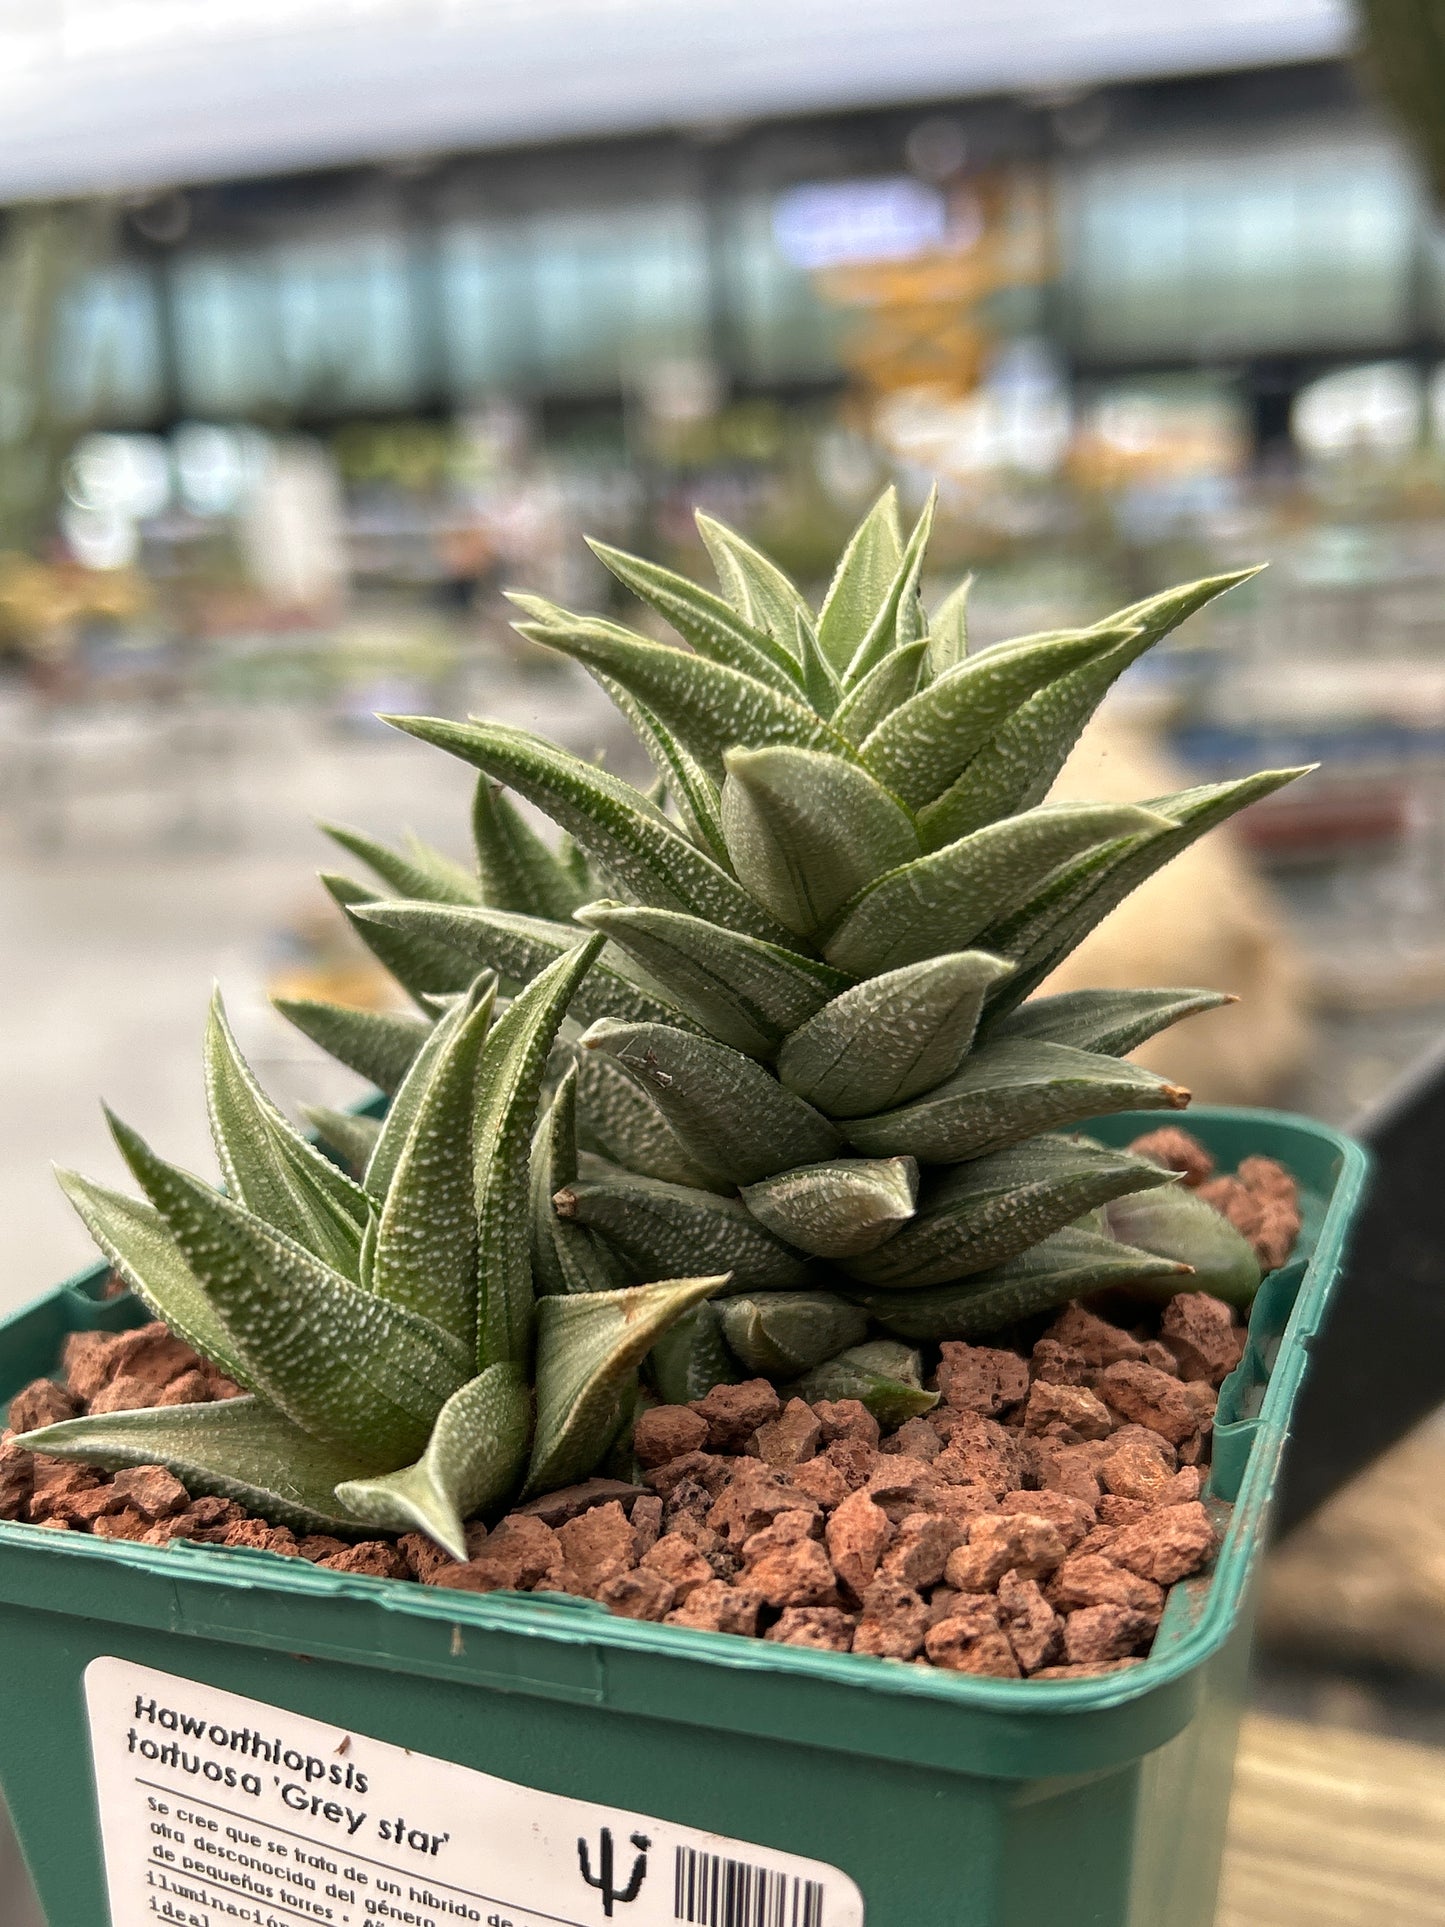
(216, 1809)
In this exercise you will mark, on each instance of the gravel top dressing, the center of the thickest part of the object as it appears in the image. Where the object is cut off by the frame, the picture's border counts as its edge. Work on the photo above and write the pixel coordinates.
(1030, 1525)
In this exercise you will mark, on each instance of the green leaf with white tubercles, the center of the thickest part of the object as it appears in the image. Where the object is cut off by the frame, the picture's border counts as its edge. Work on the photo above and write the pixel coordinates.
(820, 679)
(565, 1256)
(236, 1448)
(354, 1371)
(508, 1089)
(980, 1214)
(712, 627)
(807, 832)
(402, 1111)
(892, 1037)
(887, 684)
(709, 706)
(137, 1241)
(923, 746)
(1174, 1223)
(588, 1348)
(1016, 768)
(948, 631)
(784, 1333)
(883, 1374)
(422, 969)
(728, 1112)
(517, 870)
(377, 1044)
(838, 1209)
(691, 1357)
(625, 835)
(655, 1224)
(945, 901)
(896, 607)
(756, 587)
(741, 991)
(473, 1460)
(686, 781)
(1190, 814)
(1026, 931)
(862, 580)
(517, 947)
(1072, 1263)
(1005, 1092)
(346, 1134)
(425, 1251)
(1112, 1021)
(618, 1120)
(420, 872)
(269, 1167)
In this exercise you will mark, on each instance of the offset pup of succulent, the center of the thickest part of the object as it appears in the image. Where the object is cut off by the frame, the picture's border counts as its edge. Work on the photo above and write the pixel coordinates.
(795, 1072)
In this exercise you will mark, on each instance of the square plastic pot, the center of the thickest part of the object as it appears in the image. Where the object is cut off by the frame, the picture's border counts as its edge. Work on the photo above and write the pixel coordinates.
(951, 1801)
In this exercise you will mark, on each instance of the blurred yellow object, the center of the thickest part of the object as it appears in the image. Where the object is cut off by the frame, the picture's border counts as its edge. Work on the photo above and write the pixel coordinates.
(40, 602)
(1205, 921)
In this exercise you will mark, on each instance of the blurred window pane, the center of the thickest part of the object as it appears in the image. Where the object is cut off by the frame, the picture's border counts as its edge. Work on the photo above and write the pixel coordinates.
(107, 367)
(781, 331)
(1306, 243)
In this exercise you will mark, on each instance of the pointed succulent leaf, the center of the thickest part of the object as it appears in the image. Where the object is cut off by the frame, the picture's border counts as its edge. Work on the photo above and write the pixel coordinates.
(137, 1241)
(862, 580)
(734, 1117)
(838, 1209)
(820, 679)
(422, 969)
(565, 1256)
(985, 1212)
(652, 1223)
(888, 684)
(1006, 1092)
(421, 872)
(517, 947)
(690, 1357)
(236, 1448)
(948, 631)
(508, 1088)
(711, 626)
(784, 1333)
(1174, 1223)
(267, 1164)
(1072, 1263)
(1192, 813)
(755, 586)
(1016, 768)
(883, 1374)
(625, 835)
(708, 705)
(1027, 930)
(473, 1460)
(923, 746)
(588, 1349)
(377, 1044)
(618, 1120)
(517, 870)
(425, 1252)
(898, 604)
(686, 781)
(348, 1135)
(402, 1111)
(743, 992)
(351, 1369)
(1112, 1021)
(890, 1038)
(807, 832)
(945, 901)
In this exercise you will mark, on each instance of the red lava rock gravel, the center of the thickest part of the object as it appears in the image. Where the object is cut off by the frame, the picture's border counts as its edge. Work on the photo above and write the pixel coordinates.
(1029, 1526)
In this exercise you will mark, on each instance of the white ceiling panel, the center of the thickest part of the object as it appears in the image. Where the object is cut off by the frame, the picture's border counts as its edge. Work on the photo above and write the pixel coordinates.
(102, 94)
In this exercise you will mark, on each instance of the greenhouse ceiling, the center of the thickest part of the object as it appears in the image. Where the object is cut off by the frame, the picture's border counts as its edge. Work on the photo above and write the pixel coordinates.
(133, 94)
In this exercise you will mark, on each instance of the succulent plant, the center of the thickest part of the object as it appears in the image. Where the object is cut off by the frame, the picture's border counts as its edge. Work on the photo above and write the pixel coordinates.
(796, 1071)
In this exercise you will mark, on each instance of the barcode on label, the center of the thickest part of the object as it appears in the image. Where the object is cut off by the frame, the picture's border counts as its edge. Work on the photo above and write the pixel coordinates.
(713, 1891)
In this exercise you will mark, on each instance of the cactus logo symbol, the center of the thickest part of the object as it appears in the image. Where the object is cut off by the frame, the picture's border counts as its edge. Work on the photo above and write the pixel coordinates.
(602, 1880)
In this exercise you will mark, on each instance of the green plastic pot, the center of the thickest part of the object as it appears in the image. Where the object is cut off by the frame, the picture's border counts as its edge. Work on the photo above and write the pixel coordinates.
(949, 1800)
